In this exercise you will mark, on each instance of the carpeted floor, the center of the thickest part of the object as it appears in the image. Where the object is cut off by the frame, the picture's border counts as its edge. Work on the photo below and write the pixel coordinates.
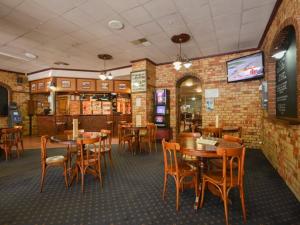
(132, 195)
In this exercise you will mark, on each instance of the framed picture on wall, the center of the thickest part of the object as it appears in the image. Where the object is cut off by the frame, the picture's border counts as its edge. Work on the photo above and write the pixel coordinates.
(139, 81)
(86, 85)
(65, 83)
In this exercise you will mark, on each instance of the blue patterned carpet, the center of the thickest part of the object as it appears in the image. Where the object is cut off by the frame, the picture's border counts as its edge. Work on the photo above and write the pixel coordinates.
(132, 195)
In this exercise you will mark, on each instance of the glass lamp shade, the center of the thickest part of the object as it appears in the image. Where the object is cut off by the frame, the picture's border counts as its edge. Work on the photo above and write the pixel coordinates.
(187, 64)
(109, 76)
(102, 76)
(177, 63)
(177, 67)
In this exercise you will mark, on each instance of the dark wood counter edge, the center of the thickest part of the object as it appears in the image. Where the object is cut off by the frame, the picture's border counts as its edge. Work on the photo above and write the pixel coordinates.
(85, 115)
(283, 120)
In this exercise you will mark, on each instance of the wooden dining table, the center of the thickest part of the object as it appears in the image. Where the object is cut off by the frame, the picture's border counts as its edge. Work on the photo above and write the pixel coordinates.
(190, 147)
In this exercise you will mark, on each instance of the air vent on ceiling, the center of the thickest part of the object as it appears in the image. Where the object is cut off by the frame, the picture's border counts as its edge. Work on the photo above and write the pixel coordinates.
(141, 41)
(60, 63)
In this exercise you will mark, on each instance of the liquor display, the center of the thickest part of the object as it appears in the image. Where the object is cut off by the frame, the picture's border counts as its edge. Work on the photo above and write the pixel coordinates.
(161, 108)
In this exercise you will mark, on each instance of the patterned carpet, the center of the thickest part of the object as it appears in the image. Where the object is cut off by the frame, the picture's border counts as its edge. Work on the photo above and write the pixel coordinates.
(132, 195)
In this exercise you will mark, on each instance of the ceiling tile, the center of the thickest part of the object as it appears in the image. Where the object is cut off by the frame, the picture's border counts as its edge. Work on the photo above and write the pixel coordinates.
(158, 8)
(225, 7)
(173, 24)
(256, 3)
(11, 3)
(210, 50)
(22, 19)
(98, 29)
(137, 16)
(4, 10)
(97, 9)
(83, 36)
(59, 6)
(194, 11)
(233, 20)
(36, 11)
(148, 29)
(261, 14)
(78, 17)
(123, 5)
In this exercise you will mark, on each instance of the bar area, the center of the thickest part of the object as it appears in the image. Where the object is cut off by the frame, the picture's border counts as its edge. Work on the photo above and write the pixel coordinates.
(96, 104)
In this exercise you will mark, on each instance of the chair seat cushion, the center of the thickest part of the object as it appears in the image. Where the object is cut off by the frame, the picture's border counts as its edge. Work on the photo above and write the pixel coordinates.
(55, 159)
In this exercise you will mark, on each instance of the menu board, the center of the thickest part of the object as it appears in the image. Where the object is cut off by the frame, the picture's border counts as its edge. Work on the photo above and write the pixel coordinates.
(139, 81)
(286, 83)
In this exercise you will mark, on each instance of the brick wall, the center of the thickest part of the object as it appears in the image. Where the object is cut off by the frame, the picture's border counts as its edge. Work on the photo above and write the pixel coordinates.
(281, 142)
(19, 94)
(238, 103)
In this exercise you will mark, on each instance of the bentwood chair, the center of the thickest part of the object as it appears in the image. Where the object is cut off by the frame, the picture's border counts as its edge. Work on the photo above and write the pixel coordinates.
(148, 136)
(125, 137)
(175, 168)
(88, 161)
(10, 137)
(212, 132)
(217, 163)
(229, 177)
(53, 161)
(105, 146)
(190, 159)
(20, 136)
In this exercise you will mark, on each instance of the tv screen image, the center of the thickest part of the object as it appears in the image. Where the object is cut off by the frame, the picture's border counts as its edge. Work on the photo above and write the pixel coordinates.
(161, 109)
(159, 119)
(161, 96)
(245, 68)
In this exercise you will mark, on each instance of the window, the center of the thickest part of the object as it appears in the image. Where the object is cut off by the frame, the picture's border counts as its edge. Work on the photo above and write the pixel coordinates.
(3, 101)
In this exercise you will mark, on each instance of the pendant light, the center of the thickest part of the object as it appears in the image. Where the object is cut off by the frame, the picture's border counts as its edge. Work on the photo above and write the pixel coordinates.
(104, 75)
(181, 60)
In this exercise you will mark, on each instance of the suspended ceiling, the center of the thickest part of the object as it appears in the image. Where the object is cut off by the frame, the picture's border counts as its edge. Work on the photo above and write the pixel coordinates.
(76, 31)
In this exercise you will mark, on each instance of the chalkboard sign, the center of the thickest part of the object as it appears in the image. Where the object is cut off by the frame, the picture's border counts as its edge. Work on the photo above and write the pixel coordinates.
(286, 80)
(139, 81)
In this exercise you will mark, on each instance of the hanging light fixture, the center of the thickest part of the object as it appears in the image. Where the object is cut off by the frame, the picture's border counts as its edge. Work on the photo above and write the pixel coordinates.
(104, 75)
(181, 60)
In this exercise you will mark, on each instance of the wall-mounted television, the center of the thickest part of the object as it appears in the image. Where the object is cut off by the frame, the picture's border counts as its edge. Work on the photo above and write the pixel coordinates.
(245, 68)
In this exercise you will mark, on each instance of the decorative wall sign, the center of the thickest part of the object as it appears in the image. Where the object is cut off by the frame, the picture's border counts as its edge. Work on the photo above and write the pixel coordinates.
(86, 85)
(41, 85)
(209, 104)
(139, 81)
(212, 93)
(65, 83)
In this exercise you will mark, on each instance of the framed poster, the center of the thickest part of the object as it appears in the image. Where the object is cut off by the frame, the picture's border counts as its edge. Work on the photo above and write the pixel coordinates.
(139, 81)
(65, 83)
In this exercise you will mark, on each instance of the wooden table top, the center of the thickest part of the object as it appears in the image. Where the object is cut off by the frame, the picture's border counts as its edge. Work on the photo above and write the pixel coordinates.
(189, 146)
(70, 139)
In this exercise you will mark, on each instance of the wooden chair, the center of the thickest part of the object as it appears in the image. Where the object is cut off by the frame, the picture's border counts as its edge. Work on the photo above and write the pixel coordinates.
(106, 147)
(175, 168)
(148, 136)
(217, 163)
(187, 158)
(20, 136)
(125, 137)
(88, 161)
(212, 132)
(10, 138)
(227, 178)
(53, 161)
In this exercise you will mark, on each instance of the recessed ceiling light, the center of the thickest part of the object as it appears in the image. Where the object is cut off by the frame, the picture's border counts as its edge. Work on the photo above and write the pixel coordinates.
(30, 55)
(116, 24)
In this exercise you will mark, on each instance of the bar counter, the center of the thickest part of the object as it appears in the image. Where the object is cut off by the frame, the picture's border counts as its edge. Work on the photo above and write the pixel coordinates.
(54, 124)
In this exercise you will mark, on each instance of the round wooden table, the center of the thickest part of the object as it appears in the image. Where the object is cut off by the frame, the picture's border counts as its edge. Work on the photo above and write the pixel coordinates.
(69, 139)
(190, 147)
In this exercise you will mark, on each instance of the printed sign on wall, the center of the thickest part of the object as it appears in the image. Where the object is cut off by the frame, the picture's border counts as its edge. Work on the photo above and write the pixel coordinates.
(139, 81)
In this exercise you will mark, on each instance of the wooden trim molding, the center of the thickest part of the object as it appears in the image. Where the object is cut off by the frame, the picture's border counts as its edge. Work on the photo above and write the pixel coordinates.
(10, 71)
(144, 59)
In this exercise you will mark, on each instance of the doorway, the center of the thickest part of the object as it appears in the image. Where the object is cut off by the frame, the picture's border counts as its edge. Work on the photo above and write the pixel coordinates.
(189, 104)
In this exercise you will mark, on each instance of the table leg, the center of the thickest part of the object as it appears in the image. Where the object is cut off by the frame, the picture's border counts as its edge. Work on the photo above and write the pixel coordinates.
(201, 170)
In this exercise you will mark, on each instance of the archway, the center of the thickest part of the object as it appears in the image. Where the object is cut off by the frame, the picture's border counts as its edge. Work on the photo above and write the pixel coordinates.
(5, 98)
(189, 103)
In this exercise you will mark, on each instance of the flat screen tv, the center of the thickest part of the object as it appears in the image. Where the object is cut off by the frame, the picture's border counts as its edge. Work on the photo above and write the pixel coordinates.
(161, 109)
(245, 68)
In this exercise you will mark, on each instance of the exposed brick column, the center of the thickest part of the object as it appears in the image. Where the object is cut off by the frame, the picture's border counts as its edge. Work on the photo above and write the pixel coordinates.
(146, 108)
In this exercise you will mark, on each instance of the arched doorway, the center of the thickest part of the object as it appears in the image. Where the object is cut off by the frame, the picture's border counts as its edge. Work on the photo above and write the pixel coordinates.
(189, 103)
(4, 99)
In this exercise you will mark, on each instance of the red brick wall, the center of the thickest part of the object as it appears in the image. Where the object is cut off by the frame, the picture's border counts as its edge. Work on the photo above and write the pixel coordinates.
(238, 103)
(281, 141)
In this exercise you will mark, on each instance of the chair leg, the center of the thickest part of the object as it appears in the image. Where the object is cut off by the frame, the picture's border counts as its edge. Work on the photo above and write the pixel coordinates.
(100, 174)
(66, 175)
(150, 147)
(202, 193)
(155, 145)
(82, 181)
(177, 193)
(165, 185)
(22, 146)
(110, 160)
(104, 158)
(196, 183)
(243, 202)
(225, 200)
(43, 178)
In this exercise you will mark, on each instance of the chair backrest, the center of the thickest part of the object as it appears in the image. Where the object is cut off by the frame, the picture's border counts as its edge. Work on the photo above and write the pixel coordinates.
(189, 135)
(108, 139)
(44, 140)
(212, 131)
(10, 135)
(232, 157)
(232, 139)
(152, 129)
(85, 145)
(170, 150)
